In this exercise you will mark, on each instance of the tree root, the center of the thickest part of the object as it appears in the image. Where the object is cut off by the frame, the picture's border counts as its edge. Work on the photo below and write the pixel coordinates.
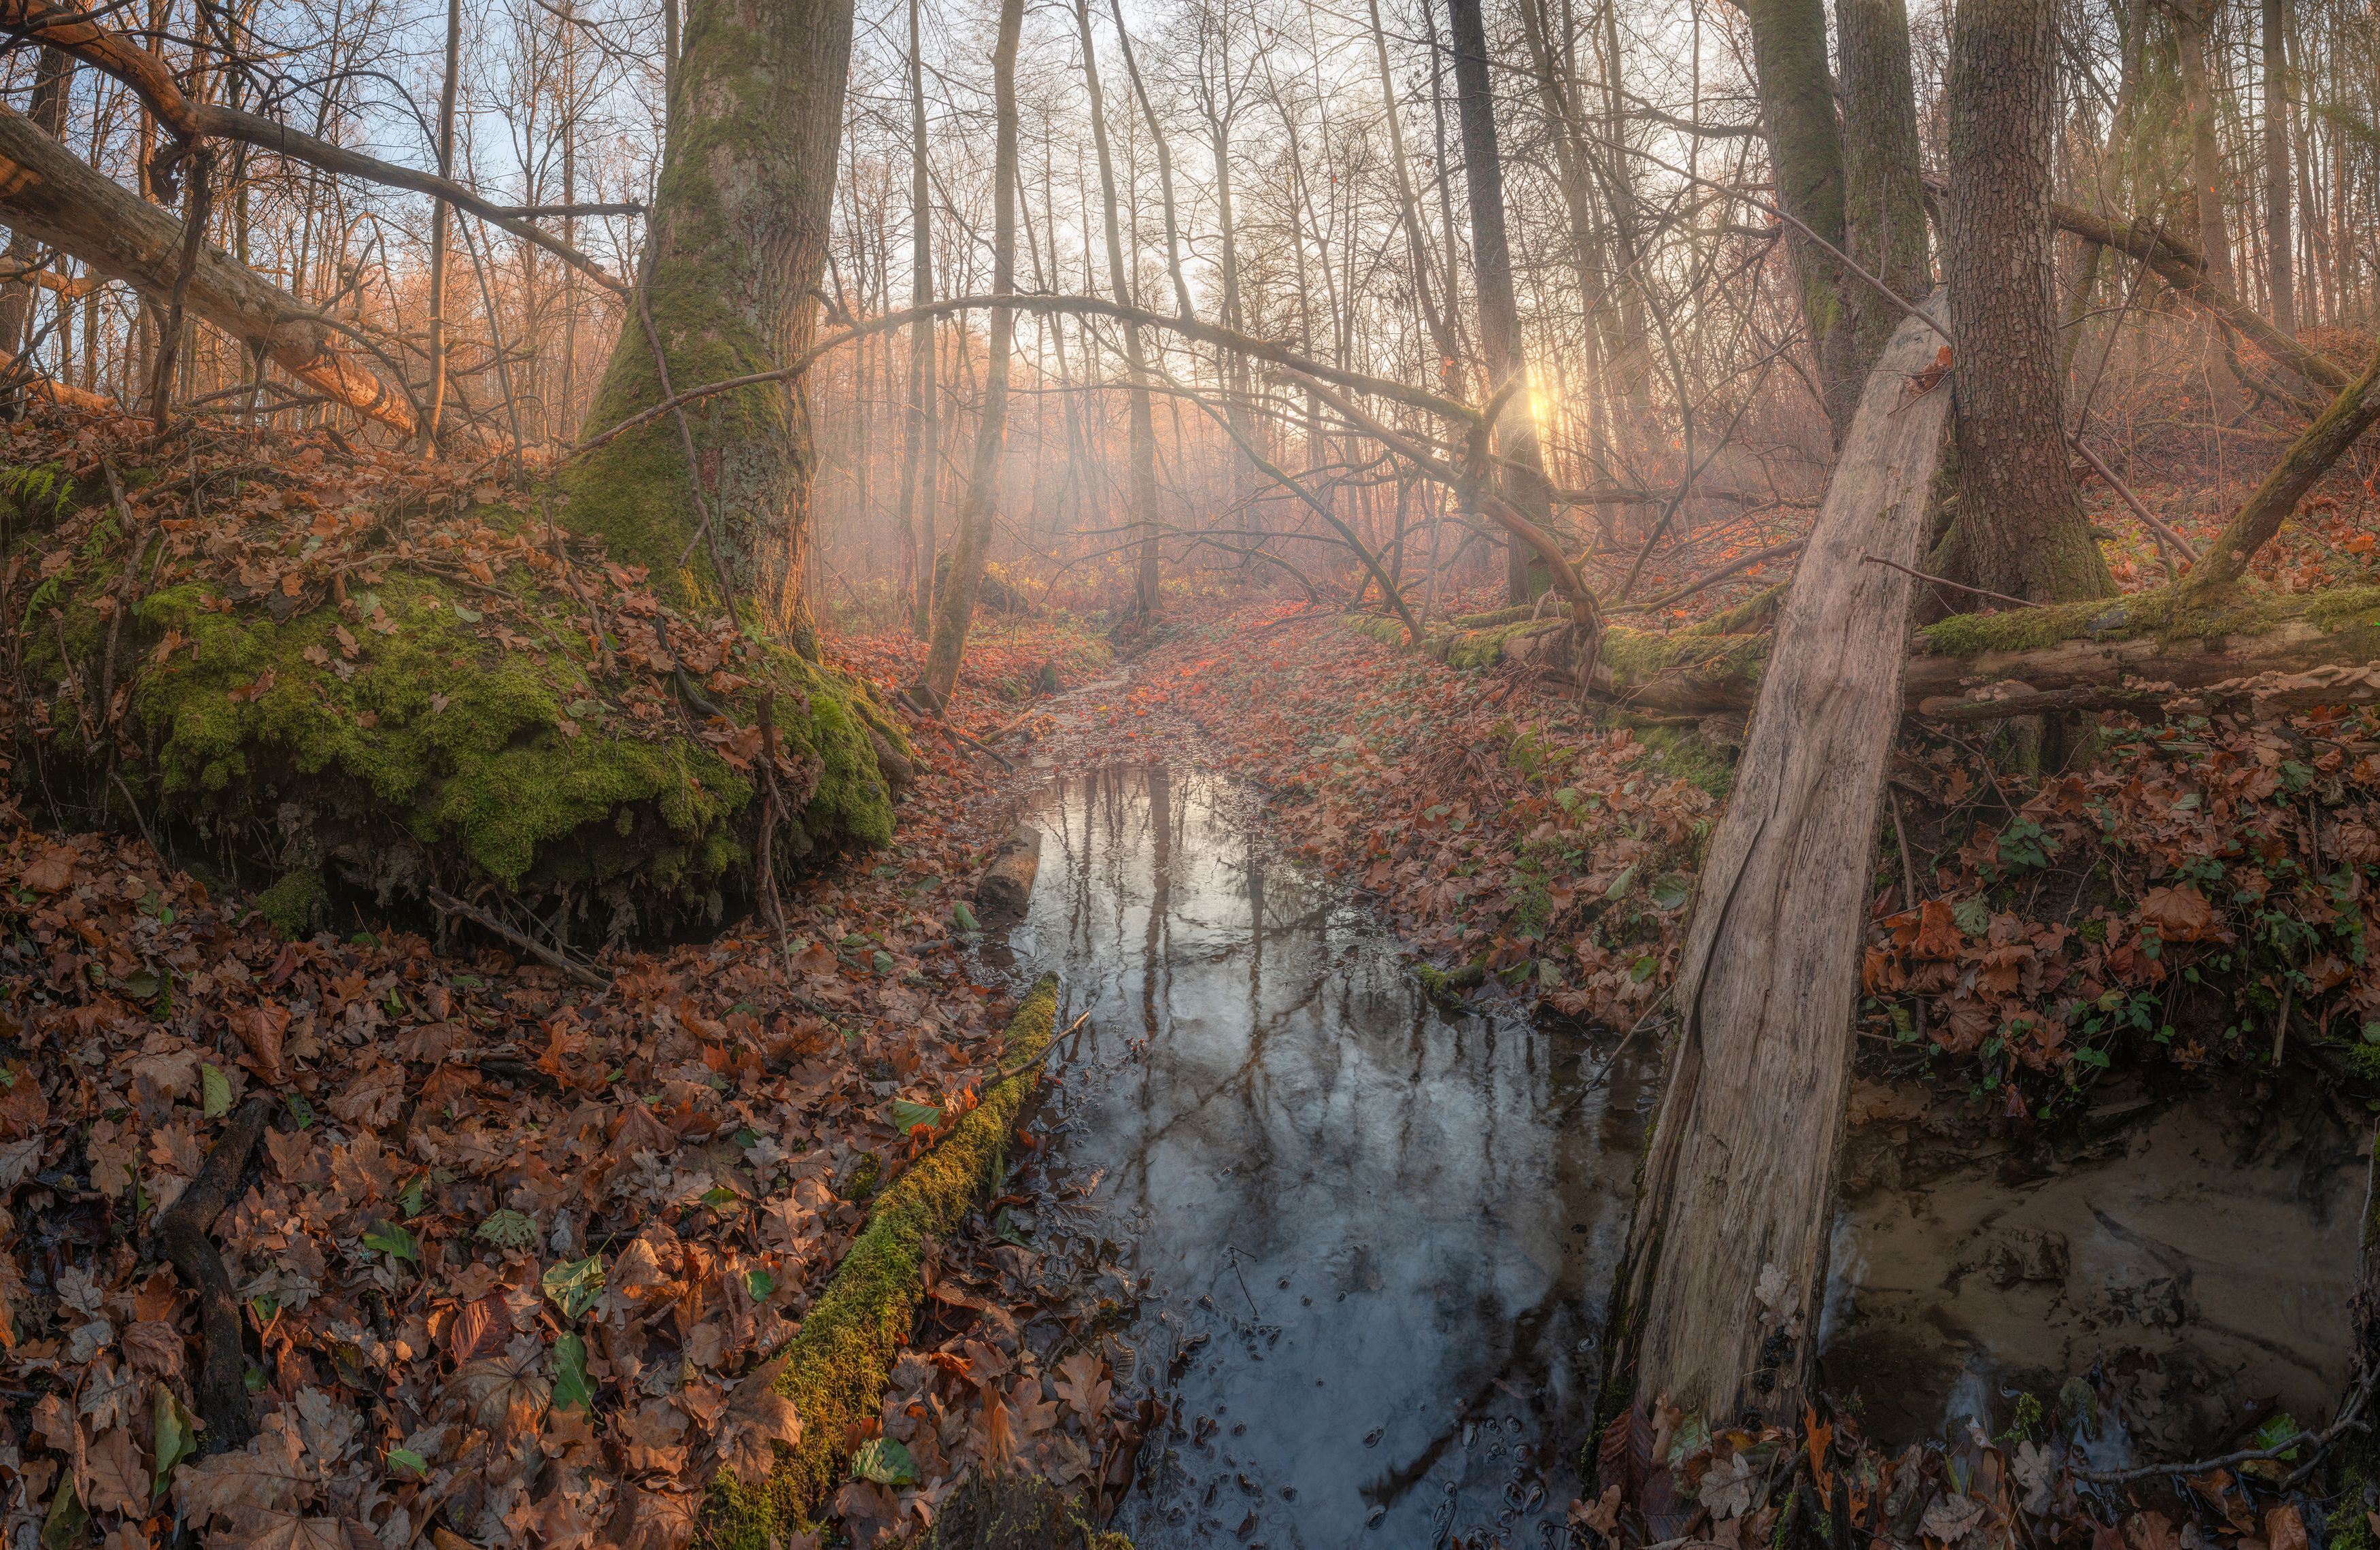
(221, 1386)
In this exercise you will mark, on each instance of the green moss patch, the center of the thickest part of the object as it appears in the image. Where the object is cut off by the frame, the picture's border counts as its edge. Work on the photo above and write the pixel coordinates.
(835, 1370)
(426, 730)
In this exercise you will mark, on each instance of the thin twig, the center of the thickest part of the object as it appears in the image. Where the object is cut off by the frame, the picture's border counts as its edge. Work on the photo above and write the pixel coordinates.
(2324, 1438)
(1946, 581)
(450, 905)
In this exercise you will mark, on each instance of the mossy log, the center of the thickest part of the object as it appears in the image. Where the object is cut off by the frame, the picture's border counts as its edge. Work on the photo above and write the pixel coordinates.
(400, 726)
(835, 1370)
(2116, 653)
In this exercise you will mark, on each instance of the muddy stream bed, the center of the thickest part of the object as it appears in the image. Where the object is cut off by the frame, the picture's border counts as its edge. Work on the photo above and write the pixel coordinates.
(1375, 1242)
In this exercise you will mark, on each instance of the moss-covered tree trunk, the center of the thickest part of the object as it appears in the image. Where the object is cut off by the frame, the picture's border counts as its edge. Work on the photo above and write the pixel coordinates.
(736, 246)
(1852, 178)
(955, 609)
(2021, 525)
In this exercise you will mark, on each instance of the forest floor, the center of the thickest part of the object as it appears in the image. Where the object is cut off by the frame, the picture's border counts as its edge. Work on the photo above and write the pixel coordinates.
(513, 1245)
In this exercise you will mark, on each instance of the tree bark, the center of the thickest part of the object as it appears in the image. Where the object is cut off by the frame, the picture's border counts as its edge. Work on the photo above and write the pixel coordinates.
(1726, 1268)
(1515, 429)
(2020, 528)
(921, 451)
(58, 199)
(1142, 424)
(736, 246)
(955, 609)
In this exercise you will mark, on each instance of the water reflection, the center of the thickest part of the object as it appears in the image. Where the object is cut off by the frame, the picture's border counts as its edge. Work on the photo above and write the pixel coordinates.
(1376, 1240)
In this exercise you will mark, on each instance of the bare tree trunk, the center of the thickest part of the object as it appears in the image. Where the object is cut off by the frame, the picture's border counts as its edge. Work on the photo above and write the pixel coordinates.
(439, 217)
(736, 246)
(1442, 334)
(954, 610)
(2279, 243)
(1523, 476)
(2189, 26)
(2020, 528)
(921, 451)
(1135, 355)
(1884, 202)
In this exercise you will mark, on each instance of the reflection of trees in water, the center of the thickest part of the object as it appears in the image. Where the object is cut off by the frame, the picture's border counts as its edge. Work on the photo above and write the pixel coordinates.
(1357, 1127)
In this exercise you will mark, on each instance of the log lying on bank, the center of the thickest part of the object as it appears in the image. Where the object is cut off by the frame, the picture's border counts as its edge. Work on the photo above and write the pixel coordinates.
(53, 197)
(835, 1369)
(1006, 886)
(1726, 1265)
(2133, 653)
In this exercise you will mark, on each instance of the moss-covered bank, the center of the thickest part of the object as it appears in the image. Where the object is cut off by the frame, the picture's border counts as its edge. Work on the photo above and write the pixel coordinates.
(406, 725)
(835, 1370)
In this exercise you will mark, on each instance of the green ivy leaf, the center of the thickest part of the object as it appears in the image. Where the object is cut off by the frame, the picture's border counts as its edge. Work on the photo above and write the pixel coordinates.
(572, 1388)
(469, 616)
(177, 1436)
(1974, 917)
(411, 1197)
(575, 1284)
(885, 1462)
(214, 1092)
(508, 1229)
(387, 1238)
(301, 1110)
(882, 961)
(907, 1116)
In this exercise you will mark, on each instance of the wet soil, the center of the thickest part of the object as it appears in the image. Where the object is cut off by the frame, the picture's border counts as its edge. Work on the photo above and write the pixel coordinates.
(2189, 1255)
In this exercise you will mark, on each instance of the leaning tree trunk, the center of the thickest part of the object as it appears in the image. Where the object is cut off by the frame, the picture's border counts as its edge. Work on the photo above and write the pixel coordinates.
(735, 247)
(52, 196)
(954, 608)
(1524, 474)
(2020, 528)
(1727, 1260)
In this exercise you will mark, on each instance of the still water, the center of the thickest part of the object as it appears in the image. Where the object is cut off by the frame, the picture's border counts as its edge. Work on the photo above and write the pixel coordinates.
(1377, 1240)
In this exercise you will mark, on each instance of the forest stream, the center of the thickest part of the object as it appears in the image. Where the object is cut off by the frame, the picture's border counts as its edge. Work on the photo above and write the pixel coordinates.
(1375, 1242)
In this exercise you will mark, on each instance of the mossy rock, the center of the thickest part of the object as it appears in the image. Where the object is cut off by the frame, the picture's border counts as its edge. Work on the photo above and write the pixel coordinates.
(385, 743)
(835, 1368)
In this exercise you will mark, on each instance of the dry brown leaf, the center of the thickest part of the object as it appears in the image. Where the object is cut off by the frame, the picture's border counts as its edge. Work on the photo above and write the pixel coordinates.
(113, 1478)
(153, 1347)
